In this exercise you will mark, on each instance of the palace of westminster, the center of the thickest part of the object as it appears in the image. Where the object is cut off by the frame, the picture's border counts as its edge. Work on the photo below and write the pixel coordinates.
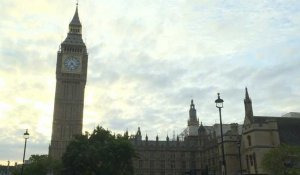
(197, 150)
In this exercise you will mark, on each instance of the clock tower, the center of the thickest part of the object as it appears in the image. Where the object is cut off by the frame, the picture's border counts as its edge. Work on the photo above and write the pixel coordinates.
(71, 73)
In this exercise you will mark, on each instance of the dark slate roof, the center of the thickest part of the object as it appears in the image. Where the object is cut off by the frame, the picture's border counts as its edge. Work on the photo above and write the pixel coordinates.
(288, 128)
(75, 21)
(73, 39)
(263, 119)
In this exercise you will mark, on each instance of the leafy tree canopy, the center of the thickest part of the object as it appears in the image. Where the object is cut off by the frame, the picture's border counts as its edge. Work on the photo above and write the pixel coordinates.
(283, 160)
(100, 153)
(39, 165)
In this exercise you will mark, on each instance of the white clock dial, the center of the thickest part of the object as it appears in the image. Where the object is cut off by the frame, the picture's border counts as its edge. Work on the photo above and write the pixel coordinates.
(72, 63)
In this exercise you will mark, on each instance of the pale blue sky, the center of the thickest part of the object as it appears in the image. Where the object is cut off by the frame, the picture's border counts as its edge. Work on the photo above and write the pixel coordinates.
(147, 59)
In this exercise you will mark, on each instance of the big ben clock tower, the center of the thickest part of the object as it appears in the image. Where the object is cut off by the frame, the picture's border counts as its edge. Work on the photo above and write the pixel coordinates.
(71, 73)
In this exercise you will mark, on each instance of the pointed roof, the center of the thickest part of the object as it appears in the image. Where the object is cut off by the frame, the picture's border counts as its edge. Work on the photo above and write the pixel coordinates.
(247, 98)
(192, 104)
(139, 131)
(75, 21)
(74, 38)
(201, 128)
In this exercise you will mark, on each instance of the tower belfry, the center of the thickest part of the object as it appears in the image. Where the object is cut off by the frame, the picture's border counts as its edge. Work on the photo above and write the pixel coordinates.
(71, 73)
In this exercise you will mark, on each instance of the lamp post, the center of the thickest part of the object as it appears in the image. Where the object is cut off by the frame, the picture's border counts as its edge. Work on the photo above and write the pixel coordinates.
(219, 105)
(26, 136)
(7, 171)
(239, 149)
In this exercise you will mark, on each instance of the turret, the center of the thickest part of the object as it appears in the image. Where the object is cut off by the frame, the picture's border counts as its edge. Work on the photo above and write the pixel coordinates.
(201, 130)
(138, 136)
(74, 37)
(248, 106)
(193, 122)
(193, 115)
(75, 25)
(202, 135)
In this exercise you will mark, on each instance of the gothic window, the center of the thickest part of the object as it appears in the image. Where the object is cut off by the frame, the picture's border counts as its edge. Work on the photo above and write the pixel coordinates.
(251, 160)
(193, 164)
(247, 160)
(152, 154)
(254, 160)
(182, 154)
(172, 164)
(141, 163)
(249, 140)
(151, 164)
(173, 155)
(162, 164)
(183, 164)
(162, 155)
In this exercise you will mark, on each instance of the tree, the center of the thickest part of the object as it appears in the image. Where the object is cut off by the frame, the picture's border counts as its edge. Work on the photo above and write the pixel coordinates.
(99, 153)
(40, 165)
(282, 160)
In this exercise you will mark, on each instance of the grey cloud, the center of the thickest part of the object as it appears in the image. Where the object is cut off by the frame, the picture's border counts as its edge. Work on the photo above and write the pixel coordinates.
(169, 53)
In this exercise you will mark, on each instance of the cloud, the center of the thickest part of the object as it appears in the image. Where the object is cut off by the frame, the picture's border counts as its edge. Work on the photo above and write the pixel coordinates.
(147, 60)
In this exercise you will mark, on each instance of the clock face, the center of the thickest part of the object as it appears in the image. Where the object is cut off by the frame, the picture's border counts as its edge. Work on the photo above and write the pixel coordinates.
(71, 63)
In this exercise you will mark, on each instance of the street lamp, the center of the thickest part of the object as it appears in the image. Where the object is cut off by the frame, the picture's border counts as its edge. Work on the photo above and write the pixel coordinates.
(239, 149)
(26, 136)
(219, 105)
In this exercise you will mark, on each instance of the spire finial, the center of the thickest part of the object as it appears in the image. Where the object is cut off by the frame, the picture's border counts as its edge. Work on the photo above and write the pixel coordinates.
(75, 20)
(192, 104)
(247, 94)
(77, 3)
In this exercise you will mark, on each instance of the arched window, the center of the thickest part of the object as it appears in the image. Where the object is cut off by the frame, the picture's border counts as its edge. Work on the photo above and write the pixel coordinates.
(251, 160)
(249, 140)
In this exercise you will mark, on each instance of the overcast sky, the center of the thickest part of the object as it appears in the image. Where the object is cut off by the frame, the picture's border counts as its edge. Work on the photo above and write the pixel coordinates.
(147, 60)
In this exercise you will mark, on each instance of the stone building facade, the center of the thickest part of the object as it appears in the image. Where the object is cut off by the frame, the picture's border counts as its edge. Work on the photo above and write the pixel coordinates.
(198, 152)
(262, 133)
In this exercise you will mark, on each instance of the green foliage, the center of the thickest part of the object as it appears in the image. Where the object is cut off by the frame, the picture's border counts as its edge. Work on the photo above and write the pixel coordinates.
(39, 165)
(283, 160)
(100, 153)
